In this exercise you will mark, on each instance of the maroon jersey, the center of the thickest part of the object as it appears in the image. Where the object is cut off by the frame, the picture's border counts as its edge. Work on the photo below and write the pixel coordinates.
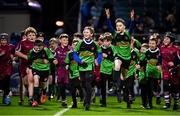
(24, 47)
(169, 54)
(62, 73)
(6, 67)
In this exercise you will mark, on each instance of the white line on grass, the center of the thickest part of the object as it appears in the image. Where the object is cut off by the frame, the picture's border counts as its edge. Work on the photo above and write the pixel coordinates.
(60, 113)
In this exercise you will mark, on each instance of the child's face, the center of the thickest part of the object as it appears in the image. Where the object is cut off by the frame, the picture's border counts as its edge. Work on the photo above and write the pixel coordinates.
(64, 41)
(53, 45)
(100, 42)
(120, 27)
(166, 41)
(152, 44)
(143, 49)
(74, 44)
(38, 48)
(3, 42)
(87, 34)
(31, 36)
(106, 43)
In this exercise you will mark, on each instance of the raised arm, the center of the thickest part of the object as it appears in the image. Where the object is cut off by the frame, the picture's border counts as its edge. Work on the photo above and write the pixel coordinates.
(108, 21)
(131, 25)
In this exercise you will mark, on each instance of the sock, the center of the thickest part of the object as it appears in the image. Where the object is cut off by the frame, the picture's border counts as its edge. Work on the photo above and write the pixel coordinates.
(37, 94)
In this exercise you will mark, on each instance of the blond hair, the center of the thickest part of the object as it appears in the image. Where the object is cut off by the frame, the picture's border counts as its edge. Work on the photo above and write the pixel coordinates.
(30, 30)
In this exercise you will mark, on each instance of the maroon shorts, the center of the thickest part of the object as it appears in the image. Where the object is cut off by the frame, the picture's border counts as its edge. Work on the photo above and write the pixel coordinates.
(22, 69)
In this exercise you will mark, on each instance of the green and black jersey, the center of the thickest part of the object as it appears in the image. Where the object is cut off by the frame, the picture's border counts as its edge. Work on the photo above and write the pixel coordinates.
(86, 52)
(152, 57)
(134, 60)
(107, 63)
(73, 65)
(122, 45)
(35, 59)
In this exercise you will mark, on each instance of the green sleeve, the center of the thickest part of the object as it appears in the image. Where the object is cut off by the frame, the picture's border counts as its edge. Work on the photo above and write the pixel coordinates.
(29, 55)
(137, 44)
(98, 48)
(76, 49)
(49, 53)
(30, 58)
(67, 60)
(128, 34)
(114, 50)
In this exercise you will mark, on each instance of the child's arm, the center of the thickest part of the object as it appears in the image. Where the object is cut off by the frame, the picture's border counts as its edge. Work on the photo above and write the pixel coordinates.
(99, 53)
(76, 58)
(131, 25)
(75, 55)
(50, 55)
(30, 58)
(19, 53)
(108, 21)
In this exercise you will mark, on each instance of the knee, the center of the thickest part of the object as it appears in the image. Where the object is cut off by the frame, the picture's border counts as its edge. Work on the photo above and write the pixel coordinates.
(36, 81)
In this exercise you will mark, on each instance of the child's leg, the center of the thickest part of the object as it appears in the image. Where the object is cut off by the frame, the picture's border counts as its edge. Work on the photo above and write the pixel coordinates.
(128, 85)
(50, 88)
(103, 88)
(131, 87)
(73, 83)
(62, 87)
(150, 93)
(6, 89)
(175, 94)
(79, 87)
(143, 88)
(117, 80)
(157, 89)
(86, 79)
(30, 83)
(36, 88)
(166, 89)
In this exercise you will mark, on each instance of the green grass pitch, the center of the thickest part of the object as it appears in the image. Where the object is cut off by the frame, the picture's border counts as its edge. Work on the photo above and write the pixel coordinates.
(113, 108)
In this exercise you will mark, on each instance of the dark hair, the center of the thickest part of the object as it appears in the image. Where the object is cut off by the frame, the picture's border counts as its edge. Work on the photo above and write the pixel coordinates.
(172, 36)
(38, 43)
(4, 36)
(40, 34)
(77, 34)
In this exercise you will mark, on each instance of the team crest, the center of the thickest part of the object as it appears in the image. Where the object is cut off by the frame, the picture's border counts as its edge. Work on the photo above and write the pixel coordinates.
(92, 48)
(109, 52)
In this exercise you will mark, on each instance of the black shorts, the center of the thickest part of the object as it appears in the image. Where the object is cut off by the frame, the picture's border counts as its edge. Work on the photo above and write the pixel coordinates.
(125, 63)
(42, 74)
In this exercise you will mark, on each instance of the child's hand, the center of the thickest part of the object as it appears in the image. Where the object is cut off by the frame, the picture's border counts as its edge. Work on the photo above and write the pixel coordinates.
(45, 61)
(171, 64)
(96, 63)
(159, 68)
(136, 76)
(104, 55)
(55, 62)
(132, 14)
(2, 53)
(83, 64)
(122, 78)
(107, 13)
(67, 67)
(137, 66)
